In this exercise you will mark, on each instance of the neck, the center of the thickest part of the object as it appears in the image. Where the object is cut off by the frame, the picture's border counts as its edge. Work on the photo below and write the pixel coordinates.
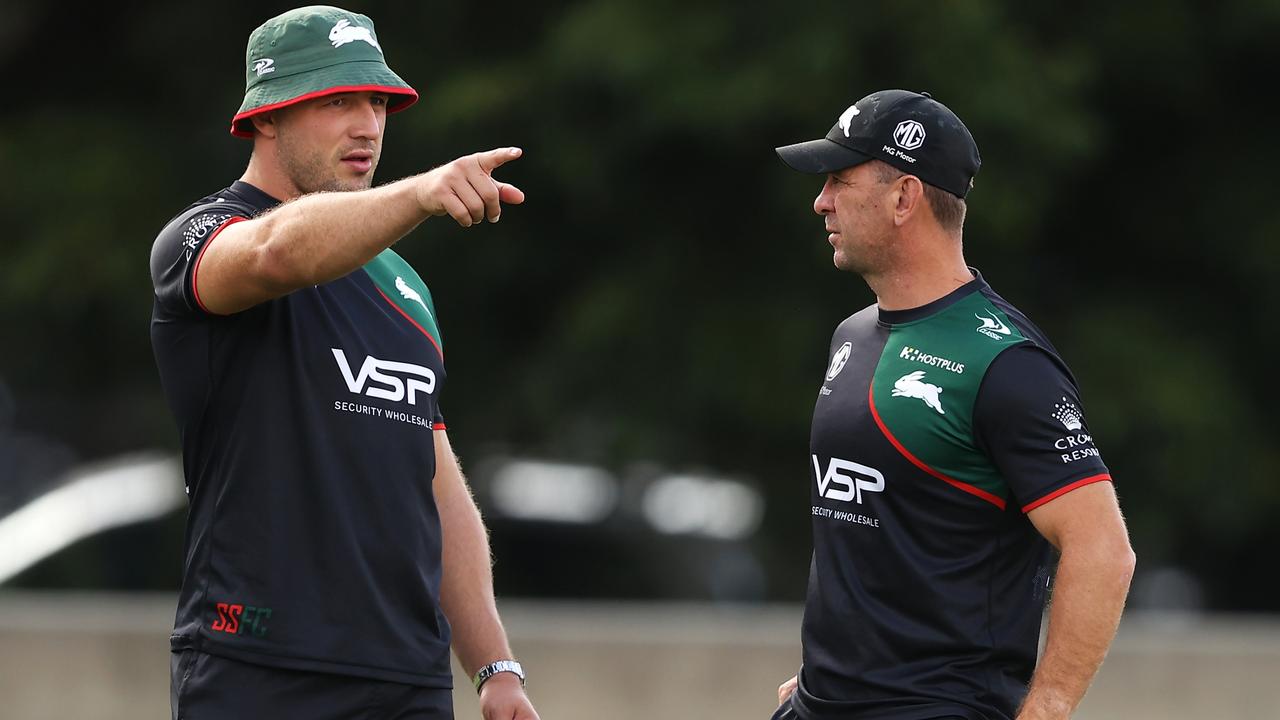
(926, 271)
(268, 177)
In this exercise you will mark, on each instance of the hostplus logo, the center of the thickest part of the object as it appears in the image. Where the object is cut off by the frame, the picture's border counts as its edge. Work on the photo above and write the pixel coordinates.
(915, 355)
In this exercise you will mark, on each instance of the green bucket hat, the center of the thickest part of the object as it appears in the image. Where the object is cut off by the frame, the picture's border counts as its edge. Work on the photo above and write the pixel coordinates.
(313, 51)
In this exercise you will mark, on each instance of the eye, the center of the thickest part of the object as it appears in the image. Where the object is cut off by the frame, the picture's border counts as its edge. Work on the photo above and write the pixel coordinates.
(337, 102)
(380, 100)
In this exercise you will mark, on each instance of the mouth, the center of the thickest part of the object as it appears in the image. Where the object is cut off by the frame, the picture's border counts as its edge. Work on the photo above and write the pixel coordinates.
(359, 161)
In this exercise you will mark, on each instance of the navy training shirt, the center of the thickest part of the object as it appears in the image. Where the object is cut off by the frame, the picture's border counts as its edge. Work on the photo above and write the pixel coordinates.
(313, 540)
(935, 431)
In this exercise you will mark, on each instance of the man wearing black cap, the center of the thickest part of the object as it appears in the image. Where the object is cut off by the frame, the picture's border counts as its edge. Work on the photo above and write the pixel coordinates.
(333, 552)
(948, 452)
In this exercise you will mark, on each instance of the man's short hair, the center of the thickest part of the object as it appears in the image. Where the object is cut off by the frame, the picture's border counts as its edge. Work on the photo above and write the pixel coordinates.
(948, 209)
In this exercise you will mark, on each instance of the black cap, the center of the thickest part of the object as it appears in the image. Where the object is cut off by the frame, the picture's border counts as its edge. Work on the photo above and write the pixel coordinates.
(910, 131)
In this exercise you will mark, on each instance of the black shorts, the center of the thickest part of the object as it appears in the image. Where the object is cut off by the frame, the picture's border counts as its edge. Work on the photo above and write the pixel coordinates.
(786, 711)
(208, 687)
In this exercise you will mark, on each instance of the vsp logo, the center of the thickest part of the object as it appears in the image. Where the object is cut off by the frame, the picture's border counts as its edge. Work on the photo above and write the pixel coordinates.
(375, 372)
(845, 480)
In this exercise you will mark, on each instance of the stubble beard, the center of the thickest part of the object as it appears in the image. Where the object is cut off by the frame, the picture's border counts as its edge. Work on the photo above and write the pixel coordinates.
(867, 257)
(311, 171)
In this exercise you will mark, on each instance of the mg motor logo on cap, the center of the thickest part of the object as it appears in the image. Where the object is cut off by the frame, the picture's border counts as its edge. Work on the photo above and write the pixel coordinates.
(909, 135)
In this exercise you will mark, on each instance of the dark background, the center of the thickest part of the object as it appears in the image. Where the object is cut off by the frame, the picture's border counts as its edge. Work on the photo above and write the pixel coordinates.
(666, 296)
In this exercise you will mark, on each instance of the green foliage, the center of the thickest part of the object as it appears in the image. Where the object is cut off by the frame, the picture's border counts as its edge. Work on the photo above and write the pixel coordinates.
(666, 293)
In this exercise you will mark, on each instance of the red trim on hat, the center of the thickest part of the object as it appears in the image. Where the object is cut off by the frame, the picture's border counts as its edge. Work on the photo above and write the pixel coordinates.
(403, 92)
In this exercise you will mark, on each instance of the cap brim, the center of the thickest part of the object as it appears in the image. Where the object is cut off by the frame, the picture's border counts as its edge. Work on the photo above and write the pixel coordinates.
(819, 157)
(346, 77)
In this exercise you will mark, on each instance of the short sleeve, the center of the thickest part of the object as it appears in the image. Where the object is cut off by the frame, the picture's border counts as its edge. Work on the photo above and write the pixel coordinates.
(176, 254)
(1029, 420)
(437, 420)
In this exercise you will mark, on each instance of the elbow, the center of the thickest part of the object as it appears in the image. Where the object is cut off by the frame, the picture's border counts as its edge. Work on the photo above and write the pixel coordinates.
(1123, 561)
(1129, 563)
(276, 268)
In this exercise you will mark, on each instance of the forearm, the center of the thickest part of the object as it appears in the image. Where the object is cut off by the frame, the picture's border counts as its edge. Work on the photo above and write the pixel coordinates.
(466, 592)
(323, 236)
(1088, 598)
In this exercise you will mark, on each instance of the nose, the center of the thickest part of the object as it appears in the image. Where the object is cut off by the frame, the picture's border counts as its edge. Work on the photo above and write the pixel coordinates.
(367, 120)
(824, 204)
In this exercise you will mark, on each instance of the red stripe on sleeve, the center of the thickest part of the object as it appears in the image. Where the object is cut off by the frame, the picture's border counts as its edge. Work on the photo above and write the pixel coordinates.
(1066, 489)
(195, 288)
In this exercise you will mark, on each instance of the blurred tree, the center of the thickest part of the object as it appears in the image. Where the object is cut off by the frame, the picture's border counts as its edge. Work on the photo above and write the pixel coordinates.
(666, 293)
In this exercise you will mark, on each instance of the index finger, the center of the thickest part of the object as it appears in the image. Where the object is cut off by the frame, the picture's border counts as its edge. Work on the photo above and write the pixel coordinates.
(493, 159)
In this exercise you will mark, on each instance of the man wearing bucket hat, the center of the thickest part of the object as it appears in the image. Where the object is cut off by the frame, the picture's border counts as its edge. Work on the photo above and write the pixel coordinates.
(334, 554)
(948, 451)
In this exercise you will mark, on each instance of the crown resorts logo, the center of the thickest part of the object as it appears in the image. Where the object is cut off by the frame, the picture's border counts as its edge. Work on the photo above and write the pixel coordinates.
(1068, 414)
(344, 32)
(909, 135)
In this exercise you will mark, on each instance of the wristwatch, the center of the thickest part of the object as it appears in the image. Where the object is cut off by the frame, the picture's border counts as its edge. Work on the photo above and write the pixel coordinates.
(498, 666)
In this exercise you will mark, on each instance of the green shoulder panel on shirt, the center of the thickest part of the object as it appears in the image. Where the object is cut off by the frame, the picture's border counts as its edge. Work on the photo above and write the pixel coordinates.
(402, 286)
(927, 381)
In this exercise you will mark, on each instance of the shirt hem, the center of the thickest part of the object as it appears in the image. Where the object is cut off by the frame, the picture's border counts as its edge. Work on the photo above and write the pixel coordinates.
(286, 662)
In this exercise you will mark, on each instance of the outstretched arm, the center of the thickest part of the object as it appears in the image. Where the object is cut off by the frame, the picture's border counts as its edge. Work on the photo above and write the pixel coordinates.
(322, 236)
(466, 591)
(1088, 596)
